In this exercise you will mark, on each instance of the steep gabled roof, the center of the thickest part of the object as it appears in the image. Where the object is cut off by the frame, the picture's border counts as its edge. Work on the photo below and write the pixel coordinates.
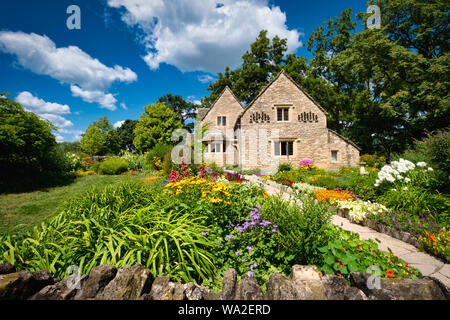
(272, 82)
(220, 96)
(345, 139)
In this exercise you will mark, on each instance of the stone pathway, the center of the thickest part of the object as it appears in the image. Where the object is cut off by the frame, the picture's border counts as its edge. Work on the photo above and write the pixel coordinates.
(427, 264)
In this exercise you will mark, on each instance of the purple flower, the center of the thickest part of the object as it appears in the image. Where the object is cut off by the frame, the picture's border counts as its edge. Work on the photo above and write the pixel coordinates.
(243, 260)
(253, 266)
(239, 229)
(230, 236)
(249, 248)
(205, 233)
(274, 230)
(250, 273)
(209, 170)
(237, 253)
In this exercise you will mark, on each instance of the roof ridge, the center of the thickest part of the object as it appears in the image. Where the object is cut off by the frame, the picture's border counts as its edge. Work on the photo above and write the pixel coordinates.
(218, 98)
(345, 139)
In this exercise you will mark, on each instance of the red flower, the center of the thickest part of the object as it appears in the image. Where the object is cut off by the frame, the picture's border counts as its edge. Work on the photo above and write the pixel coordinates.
(390, 274)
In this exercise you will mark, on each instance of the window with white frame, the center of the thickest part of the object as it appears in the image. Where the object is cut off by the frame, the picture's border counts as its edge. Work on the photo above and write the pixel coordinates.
(215, 147)
(284, 148)
(283, 114)
(221, 121)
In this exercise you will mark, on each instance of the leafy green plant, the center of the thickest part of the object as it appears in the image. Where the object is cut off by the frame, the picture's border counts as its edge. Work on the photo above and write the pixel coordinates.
(301, 228)
(134, 161)
(284, 167)
(112, 166)
(120, 225)
(417, 200)
(345, 253)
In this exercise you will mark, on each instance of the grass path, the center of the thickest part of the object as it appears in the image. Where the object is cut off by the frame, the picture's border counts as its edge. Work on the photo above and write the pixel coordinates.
(22, 210)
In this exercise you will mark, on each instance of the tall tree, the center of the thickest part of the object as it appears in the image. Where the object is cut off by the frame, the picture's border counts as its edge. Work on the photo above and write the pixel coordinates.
(184, 110)
(93, 141)
(156, 124)
(101, 138)
(126, 134)
(25, 141)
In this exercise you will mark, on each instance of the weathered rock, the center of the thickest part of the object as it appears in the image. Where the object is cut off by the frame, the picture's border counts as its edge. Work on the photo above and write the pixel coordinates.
(58, 291)
(279, 288)
(353, 293)
(335, 287)
(229, 285)
(159, 287)
(130, 283)
(195, 292)
(398, 289)
(6, 268)
(248, 289)
(98, 279)
(174, 291)
(22, 285)
(305, 273)
(307, 284)
(444, 288)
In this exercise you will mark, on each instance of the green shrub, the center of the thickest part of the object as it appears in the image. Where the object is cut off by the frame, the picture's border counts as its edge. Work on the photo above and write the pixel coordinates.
(157, 153)
(134, 161)
(373, 161)
(284, 167)
(415, 201)
(435, 151)
(112, 166)
(301, 228)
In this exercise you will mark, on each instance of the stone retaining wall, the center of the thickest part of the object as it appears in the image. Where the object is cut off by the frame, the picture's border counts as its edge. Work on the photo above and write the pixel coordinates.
(105, 282)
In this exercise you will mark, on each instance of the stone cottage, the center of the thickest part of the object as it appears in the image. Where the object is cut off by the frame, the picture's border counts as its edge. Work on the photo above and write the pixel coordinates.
(283, 124)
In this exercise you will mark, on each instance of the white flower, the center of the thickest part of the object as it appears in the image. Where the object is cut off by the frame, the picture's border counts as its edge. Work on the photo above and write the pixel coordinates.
(407, 180)
(405, 188)
(421, 164)
(430, 169)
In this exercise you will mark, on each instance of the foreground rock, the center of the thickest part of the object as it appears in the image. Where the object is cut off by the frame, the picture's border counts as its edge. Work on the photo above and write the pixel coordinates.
(398, 289)
(99, 278)
(130, 283)
(21, 285)
(6, 268)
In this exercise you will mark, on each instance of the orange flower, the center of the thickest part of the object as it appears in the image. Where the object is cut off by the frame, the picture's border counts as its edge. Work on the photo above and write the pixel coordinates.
(339, 274)
(390, 274)
(340, 264)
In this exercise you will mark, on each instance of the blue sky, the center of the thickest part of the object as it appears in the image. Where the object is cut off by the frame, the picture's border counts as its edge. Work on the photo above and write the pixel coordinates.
(128, 53)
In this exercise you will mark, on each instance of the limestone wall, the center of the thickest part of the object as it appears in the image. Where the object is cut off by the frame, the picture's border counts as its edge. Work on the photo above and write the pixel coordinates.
(106, 282)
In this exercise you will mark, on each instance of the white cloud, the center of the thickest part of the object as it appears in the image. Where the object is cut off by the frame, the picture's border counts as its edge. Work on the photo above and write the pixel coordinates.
(57, 120)
(34, 104)
(105, 100)
(205, 78)
(59, 138)
(118, 124)
(194, 100)
(201, 35)
(124, 106)
(69, 65)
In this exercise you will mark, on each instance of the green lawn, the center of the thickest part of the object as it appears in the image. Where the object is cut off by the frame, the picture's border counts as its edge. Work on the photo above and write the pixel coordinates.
(21, 210)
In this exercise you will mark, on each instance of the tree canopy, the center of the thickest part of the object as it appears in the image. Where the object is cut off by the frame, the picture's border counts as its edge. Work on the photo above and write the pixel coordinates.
(156, 125)
(184, 110)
